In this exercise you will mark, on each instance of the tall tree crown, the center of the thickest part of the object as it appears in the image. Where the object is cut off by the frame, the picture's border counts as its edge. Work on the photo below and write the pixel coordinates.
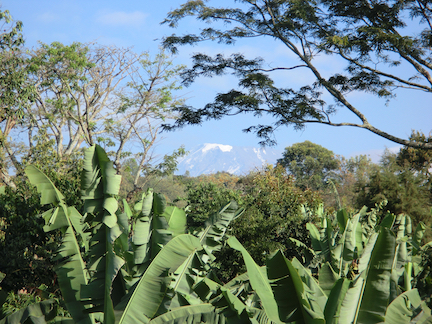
(372, 37)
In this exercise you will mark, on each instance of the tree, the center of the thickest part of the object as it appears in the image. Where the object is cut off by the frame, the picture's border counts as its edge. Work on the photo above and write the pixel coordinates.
(371, 37)
(417, 159)
(88, 93)
(353, 175)
(311, 164)
(403, 190)
(15, 92)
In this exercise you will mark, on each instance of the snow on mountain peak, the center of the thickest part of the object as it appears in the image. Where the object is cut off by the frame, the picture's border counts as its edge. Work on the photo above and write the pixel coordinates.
(223, 148)
(211, 158)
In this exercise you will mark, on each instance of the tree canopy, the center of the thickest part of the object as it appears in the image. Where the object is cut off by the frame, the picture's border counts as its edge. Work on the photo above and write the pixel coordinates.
(310, 164)
(88, 93)
(372, 38)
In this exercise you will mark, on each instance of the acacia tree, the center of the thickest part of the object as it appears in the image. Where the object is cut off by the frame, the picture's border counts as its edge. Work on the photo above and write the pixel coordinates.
(371, 37)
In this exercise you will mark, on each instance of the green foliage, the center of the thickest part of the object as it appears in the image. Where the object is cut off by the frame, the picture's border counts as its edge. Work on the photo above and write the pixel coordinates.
(137, 265)
(369, 39)
(23, 240)
(404, 190)
(417, 159)
(109, 262)
(273, 214)
(159, 176)
(15, 92)
(204, 198)
(365, 290)
(423, 279)
(353, 175)
(311, 164)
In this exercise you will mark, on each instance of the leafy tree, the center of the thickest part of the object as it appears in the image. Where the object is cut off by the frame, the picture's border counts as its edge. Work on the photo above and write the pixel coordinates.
(273, 214)
(310, 164)
(353, 175)
(372, 38)
(417, 159)
(88, 93)
(403, 190)
(204, 198)
(149, 176)
(15, 92)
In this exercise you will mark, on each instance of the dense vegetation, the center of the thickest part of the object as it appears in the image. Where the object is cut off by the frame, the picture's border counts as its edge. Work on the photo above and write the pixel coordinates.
(92, 232)
(277, 214)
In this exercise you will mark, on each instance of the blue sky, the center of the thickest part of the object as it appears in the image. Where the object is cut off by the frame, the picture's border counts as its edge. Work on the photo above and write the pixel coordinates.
(137, 24)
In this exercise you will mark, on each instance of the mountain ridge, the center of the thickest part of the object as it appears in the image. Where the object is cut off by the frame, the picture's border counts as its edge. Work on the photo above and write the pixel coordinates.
(239, 160)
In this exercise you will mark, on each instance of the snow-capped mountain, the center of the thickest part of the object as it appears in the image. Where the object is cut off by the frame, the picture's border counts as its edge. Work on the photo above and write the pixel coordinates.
(239, 160)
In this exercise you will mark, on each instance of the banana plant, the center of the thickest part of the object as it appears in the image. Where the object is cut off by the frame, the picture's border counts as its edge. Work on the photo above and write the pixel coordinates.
(113, 262)
(71, 270)
(152, 225)
(198, 265)
(288, 293)
(100, 184)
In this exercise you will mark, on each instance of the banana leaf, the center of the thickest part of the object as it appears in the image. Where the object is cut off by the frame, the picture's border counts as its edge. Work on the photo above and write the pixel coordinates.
(332, 311)
(368, 296)
(154, 227)
(197, 265)
(400, 310)
(100, 183)
(297, 299)
(49, 193)
(37, 313)
(71, 270)
(327, 278)
(185, 314)
(146, 301)
(259, 281)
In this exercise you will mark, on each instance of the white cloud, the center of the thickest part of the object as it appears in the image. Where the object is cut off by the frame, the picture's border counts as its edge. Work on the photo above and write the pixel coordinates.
(121, 18)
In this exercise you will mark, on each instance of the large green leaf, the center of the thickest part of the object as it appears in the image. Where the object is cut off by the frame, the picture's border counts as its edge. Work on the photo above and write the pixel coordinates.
(295, 299)
(198, 264)
(49, 193)
(185, 314)
(72, 276)
(100, 184)
(154, 227)
(342, 218)
(335, 299)
(368, 296)
(71, 270)
(148, 296)
(37, 313)
(314, 236)
(400, 311)
(376, 293)
(142, 228)
(176, 219)
(317, 297)
(351, 241)
(327, 278)
(259, 281)
(217, 224)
